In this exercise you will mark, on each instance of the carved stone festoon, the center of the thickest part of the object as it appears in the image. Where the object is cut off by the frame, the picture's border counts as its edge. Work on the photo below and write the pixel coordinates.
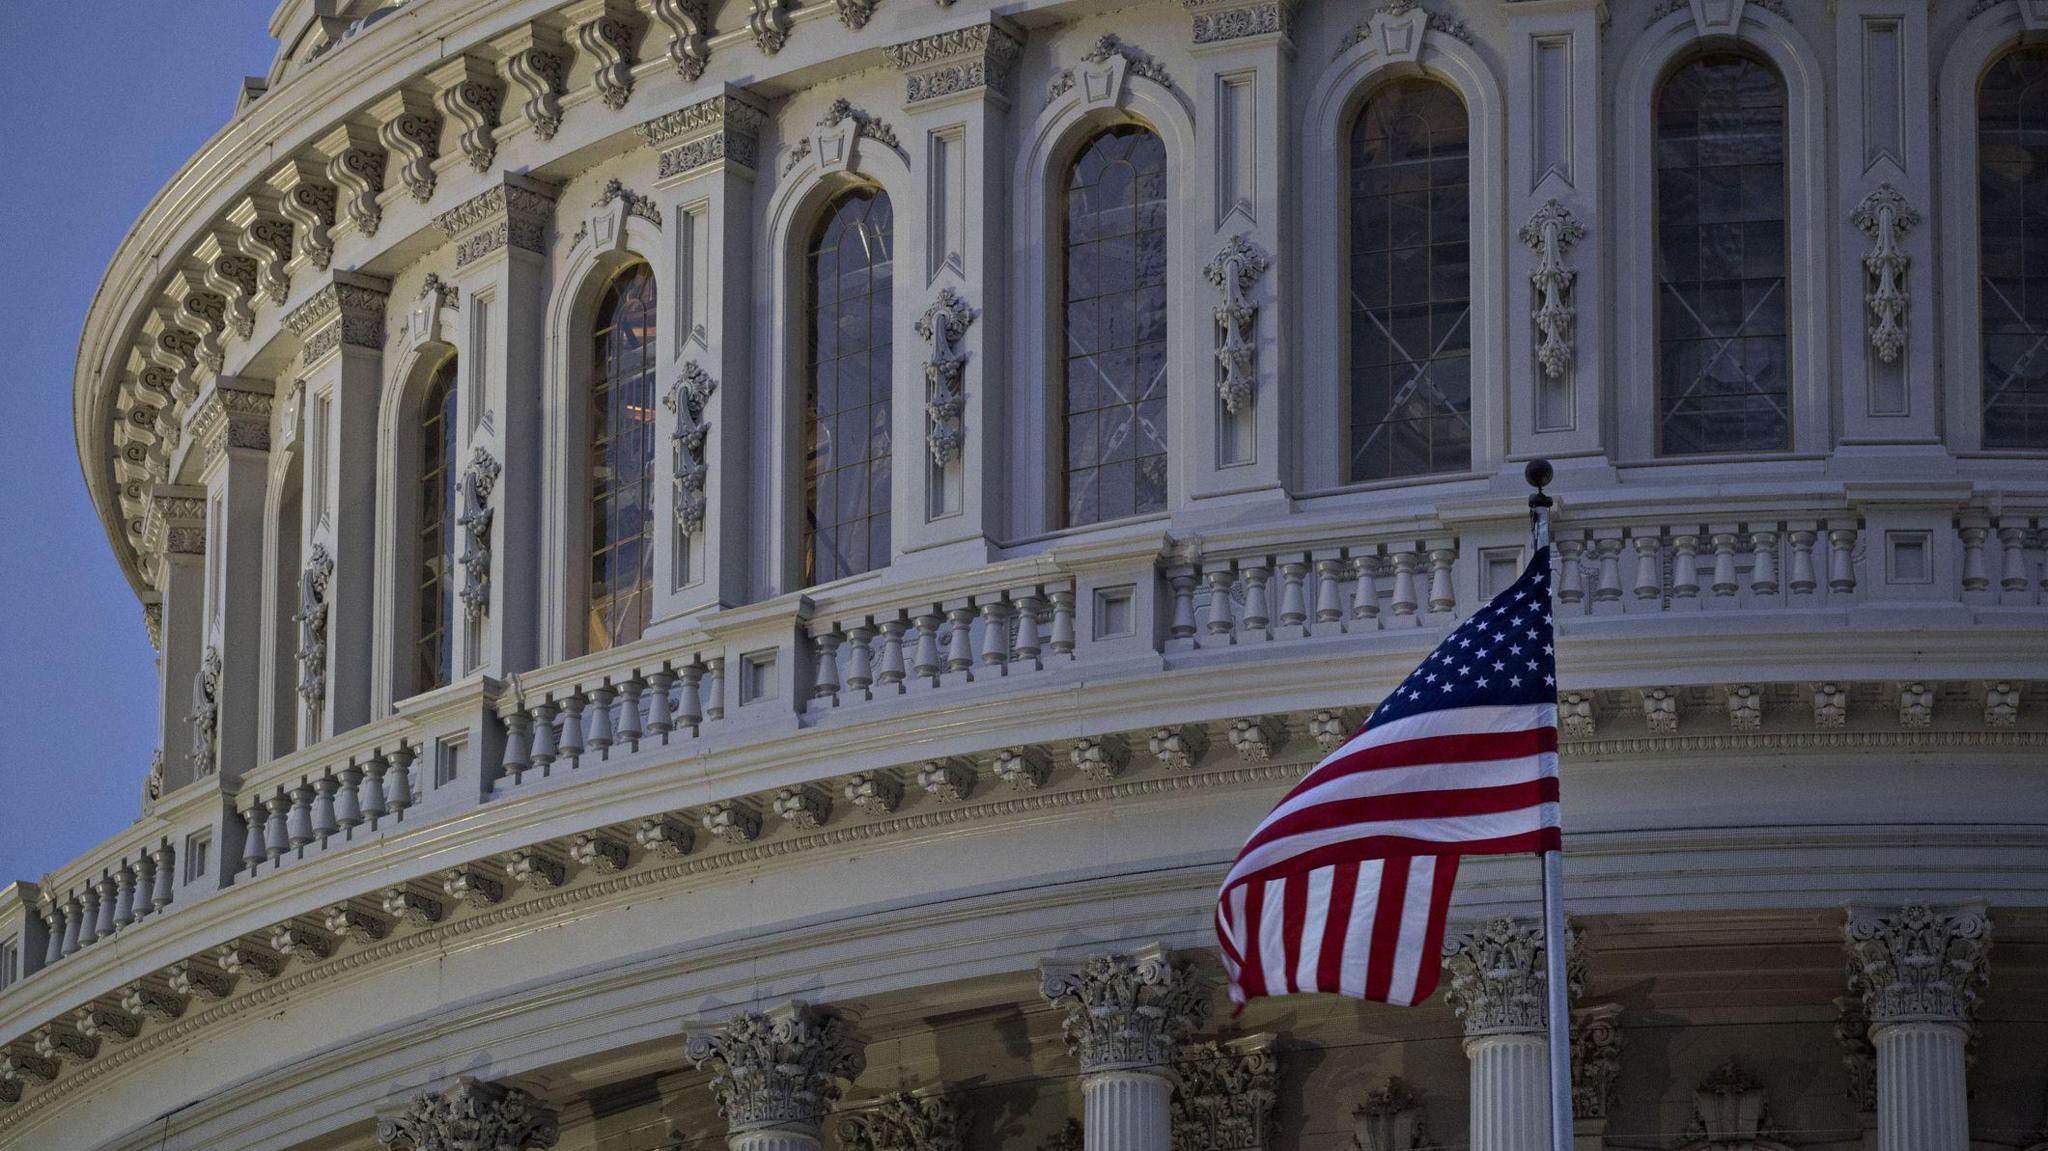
(904, 1121)
(1391, 1119)
(314, 579)
(687, 401)
(1225, 1095)
(1497, 976)
(1233, 271)
(479, 480)
(205, 714)
(1550, 233)
(1885, 217)
(471, 1115)
(1127, 1011)
(943, 326)
(1731, 1112)
(778, 1070)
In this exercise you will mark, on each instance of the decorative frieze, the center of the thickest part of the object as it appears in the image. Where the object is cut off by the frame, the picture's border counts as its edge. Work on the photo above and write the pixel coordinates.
(1391, 1119)
(1225, 1094)
(780, 1069)
(904, 1121)
(479, 480)
(1217, 21)
(1918, 963)
(1885, 217)
(514, 213)
(689, 444)
(1233, 271)
(173, 523)
(1126, 1011)
(689, 43)
(232, 414)
(975, 58)
(943, 326)
(1497, 976)
(471, 1115)
(1551, 233)
(724, 127)
(347, 311)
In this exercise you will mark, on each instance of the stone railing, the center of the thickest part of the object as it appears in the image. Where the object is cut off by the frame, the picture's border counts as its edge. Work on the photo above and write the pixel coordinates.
(337, 792)
(949, 643)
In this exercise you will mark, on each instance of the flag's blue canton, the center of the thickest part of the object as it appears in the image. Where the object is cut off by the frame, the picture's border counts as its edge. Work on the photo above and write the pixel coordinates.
(1502, 655)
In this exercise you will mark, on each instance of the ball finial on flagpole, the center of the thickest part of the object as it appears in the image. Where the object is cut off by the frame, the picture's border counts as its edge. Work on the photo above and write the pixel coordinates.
(1539, 473)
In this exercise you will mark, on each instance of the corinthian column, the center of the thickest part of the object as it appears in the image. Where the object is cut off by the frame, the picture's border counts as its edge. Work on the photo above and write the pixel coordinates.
(776, 1074)
(1920, 972)
(1126, 1016)
(1498, 989)
(471, 1114)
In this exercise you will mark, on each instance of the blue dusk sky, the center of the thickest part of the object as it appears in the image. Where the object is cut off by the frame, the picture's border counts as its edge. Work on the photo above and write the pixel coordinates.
(106, 101)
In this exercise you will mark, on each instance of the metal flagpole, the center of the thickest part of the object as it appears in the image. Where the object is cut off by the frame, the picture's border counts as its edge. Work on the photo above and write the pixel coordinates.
(1558, 1014)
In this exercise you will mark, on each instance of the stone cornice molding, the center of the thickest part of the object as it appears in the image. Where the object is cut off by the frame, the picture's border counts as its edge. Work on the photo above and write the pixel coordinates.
(1918, 964)
(471, 1115)
(778, 1069)
(1126, 1011)
(515, 213)
(977, 58)
(1497, 983)
(347, 311)
(174, 521)
(232, 414)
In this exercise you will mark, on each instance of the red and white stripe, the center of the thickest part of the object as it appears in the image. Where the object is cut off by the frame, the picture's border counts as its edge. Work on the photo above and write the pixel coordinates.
(1346, 885)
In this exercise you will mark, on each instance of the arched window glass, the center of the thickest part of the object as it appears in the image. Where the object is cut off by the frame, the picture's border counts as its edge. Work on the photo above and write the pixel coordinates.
(434, 647)
(622, 434)
(1411, 292)
(846, 389)
(1722, 351)
(2012, 181)
(1114, 321)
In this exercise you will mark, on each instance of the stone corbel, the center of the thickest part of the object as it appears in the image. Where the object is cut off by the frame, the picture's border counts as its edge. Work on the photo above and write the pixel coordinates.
(943, 325)
(479, 479)
(311, 617)
(307, 200)
(686, 401)
(232, 276)
(204, 312)
(1550, 233)
(267, 239)
(537, 62)
(977, 58)
(1233, 272)
(468, 92)
(689, 44)
(409, 127)
(854, 14)
(355, 165)
(768, 23)
(606, 31)
(1886, 217)
(723, 129)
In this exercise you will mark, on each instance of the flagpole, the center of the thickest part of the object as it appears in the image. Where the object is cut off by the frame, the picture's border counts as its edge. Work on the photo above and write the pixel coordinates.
(1558, 1015)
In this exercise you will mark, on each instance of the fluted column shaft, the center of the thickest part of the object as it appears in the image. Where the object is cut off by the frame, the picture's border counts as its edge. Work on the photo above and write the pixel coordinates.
(1510, 1091)
(1127, 1110)
(775, 1139)
(1499, 988)
(1922, 1100)
(1921, 972)
(1126, 1017)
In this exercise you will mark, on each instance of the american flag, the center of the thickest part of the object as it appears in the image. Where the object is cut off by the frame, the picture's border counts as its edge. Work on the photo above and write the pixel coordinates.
(1346, 885)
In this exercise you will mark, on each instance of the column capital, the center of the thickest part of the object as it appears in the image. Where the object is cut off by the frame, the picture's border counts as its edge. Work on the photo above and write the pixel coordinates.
(1497, 976)
(970, 61)
(347, 309)
(514, 213)
(471, 1113)
(1126, 1012)
(905, 1121)
(778, 1069)
(1227, 1091)
(1919, 963)
(232, 413)
(721, 132)
(174, 520)
(1221, 21)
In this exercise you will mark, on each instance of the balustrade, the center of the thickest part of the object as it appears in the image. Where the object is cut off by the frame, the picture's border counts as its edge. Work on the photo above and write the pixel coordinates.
(950, 643)
(1266, 596)
(563, 725)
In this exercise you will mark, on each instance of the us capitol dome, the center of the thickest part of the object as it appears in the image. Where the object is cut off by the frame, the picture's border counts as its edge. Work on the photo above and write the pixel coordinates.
(735, 573)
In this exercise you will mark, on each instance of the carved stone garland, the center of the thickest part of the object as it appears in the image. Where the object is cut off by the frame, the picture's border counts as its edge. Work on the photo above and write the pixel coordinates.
(1233, 272)
(478, 481)
(1886, 217)
(943, 325)
(1550, 233)
(1225, 1098)
(205, 714)
(780, 1070)
(471, 1116)
(686, 400)
(904, 1122)
(312, 621)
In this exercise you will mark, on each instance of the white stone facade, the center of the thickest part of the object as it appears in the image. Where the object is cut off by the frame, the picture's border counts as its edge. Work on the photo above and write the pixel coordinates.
(888, 860)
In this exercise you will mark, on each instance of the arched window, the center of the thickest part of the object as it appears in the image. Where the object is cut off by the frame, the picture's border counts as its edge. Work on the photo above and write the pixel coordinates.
(1722, 351)
(846, 408)
(1411, 294)
(622, 434)
(433, 645)
(2012, 181)
(1113, 319)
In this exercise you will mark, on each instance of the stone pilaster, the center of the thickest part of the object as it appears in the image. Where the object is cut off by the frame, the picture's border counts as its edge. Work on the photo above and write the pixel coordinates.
(230, 429)
(1596, 1065)
(904, 1121)
(471, 1114)
(174, 539)
(1126, 1018)
(776, 1074)
(1497, 987)
(1225, 1096)
(1920, 971)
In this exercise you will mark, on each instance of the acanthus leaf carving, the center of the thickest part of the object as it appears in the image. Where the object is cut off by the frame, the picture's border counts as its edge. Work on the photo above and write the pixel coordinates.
(1233, 271)
(1596, 1060)
(1497, 975)
(1391, 1119)
(943, 325)
(778, 1070)
(1885, 217)
(904, 1121)
(1551, 233)
(1225, 1095)
(1918, 963)
(1731, 1113)
(479, 480)
(687, 400)
(1126, 1011)
(471, 1115)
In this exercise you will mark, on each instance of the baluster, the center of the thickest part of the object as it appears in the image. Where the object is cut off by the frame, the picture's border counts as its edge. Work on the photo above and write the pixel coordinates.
(1293, 593)
(324, 822)
(145, 883)
(1029, 605)
(1365, 594)
(571, 746)
(1975, 578)
(2013, 538)
(89, 922)
(1841, 563)
(660, 712)
(74, 923)
(300, 826)
(1405, 596)
(890, 674)
(109, 895)
(544, 746)
(1220, 578)
(691, 707)
(1329, 590)
(1649, 567)
(53, 932)
(1442, 592)
(714, 689)
(1763, 569)
(252, 836)
(960, 652)
(1256, 612)
(1182, 580)
(1802, 582)
(348, 800)
(1685, 566)
(124, 896)
(166, 861)
(1724, 586)
(518, 744)
(1571, 585)
(995, 633)
(1607, 580)
(597, 713)
(277, 834)
(372, 789)
(629, 710)
(925, 663)
(398, 779)
(827, 643)
(860, 659)
(1063, 621)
